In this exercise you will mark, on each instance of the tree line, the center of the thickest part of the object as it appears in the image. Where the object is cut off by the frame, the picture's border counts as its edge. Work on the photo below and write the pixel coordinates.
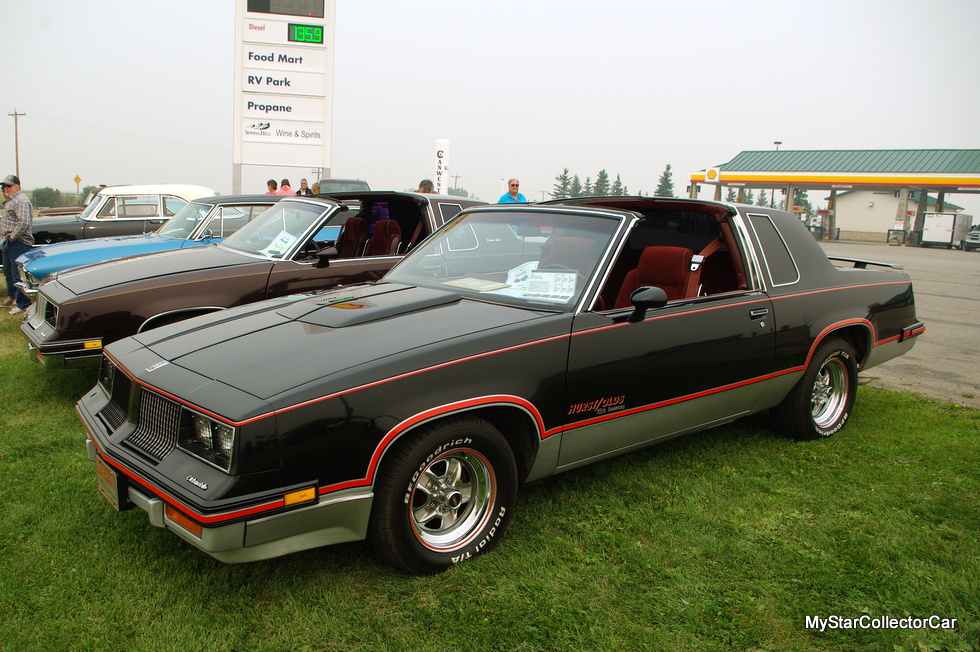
(567, 185)
(800, 199)
(52, 198)
(571, 186)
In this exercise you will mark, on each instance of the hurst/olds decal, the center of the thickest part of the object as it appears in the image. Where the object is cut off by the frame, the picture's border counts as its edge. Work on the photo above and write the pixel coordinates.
(600, 405)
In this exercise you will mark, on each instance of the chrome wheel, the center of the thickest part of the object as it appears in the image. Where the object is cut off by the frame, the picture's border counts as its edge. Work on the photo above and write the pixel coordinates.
(820, 403)
(445, 494)
(451, 500)
(828, 399)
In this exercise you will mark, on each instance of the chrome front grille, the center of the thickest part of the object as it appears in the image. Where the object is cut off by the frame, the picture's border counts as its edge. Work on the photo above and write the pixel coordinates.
(113, 414)
(157, 418)
(153, 425)
(37, 311)
(157, 426)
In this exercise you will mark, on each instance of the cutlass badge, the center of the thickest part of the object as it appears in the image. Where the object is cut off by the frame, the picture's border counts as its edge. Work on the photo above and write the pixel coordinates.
(157, 365)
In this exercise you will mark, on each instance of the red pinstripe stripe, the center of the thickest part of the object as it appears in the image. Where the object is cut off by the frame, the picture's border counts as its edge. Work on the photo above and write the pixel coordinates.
(457, 406)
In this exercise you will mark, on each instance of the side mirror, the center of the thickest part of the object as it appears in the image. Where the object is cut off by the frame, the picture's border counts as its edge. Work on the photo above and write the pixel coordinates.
(645, 298)
(325, 255)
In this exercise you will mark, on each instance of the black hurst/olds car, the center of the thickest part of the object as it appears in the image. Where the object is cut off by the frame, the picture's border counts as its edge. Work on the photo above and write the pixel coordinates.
(517, 342)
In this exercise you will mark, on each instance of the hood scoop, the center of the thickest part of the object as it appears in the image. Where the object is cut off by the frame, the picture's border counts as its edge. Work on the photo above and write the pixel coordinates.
(360, 305)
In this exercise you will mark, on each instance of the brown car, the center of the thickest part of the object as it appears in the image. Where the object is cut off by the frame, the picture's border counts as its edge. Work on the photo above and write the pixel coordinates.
(301, 244)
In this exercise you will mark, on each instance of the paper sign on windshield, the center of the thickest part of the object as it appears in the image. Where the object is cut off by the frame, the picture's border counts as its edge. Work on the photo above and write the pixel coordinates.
(280, 244)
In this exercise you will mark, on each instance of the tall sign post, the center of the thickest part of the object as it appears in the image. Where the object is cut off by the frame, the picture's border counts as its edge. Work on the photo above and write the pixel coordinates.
(440, 177)
(283, 84)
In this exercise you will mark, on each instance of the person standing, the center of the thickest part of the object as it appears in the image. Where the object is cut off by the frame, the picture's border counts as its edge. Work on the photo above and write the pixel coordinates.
(273, 186)
(15, 229)
(512, 196)
(304, 189)
(284, 188)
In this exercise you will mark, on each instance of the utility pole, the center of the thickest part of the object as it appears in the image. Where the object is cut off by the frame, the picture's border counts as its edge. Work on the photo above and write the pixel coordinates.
(15, 116)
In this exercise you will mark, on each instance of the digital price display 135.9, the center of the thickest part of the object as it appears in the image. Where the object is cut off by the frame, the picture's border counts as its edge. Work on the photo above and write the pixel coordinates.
(305, 33)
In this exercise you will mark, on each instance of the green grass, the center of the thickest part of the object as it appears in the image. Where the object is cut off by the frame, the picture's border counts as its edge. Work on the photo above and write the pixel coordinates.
(723, 540)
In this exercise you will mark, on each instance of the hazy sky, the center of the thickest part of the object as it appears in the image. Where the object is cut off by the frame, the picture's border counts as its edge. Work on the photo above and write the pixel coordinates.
(131, 91)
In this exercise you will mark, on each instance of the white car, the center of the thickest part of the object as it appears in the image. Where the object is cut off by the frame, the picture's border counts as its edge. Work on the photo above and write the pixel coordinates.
(119, 210)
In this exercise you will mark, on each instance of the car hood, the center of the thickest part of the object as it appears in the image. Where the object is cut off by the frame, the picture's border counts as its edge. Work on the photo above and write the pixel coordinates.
(115, 272)
(339, 339)
(43, 260)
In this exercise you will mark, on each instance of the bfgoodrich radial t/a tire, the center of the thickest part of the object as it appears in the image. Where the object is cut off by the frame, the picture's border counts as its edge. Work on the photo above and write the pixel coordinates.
(443, 496)
(821, 402)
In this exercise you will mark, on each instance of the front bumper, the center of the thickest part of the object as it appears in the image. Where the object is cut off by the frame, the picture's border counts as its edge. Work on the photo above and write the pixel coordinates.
(339, 517)
(28, 290)
(70, 354)
(27, 283)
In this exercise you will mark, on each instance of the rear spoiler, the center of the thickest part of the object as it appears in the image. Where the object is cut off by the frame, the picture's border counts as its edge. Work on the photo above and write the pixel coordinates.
(863, 264)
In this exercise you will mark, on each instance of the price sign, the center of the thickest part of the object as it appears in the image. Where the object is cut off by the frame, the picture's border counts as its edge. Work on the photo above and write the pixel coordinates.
(283, 85)
(305, 33)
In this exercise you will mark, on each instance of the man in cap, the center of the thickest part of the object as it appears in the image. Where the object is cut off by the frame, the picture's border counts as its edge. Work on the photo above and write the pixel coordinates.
(15, 231)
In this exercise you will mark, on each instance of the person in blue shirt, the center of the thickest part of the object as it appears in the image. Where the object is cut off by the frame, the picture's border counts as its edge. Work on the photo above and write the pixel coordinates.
(512, 196)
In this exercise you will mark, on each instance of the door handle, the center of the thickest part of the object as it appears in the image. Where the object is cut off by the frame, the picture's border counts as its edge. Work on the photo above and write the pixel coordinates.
(758, 313)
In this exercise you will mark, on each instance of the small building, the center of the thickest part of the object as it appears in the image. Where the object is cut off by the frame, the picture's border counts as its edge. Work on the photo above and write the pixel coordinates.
(868, 215)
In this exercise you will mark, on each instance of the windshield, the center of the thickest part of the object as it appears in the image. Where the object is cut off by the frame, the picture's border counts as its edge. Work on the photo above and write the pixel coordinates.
(522, 257)
(185, 221)
(275, 232)
(93, 205)
(342, 185)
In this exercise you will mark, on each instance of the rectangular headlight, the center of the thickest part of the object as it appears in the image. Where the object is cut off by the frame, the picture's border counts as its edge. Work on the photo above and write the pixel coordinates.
(107, 375)
(207, 439)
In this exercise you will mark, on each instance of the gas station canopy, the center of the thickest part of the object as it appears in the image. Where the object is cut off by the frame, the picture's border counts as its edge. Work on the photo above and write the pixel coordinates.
(936, 170)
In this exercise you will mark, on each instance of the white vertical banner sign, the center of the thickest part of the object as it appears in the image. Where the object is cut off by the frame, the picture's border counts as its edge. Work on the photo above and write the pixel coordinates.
(283, 102)
(440, 178)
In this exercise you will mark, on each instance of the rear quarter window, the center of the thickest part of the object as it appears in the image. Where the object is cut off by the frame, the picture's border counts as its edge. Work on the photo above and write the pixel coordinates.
(449, 211)
(778, 259)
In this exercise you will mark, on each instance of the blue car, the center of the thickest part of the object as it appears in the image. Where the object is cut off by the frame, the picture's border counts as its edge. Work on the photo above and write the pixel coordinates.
(202, 221)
